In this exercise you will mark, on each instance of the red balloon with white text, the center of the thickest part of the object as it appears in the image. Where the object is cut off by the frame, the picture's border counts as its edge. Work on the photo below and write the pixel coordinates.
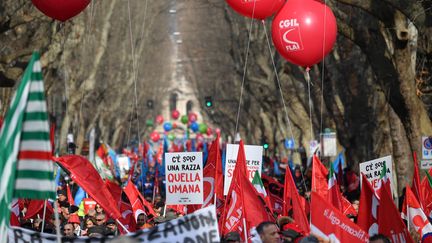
(257, 9)
(61, 9)
(304, 31)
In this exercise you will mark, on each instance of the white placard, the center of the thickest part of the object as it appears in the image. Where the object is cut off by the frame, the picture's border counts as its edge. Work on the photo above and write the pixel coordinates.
(253, 155)
(372, 170)
(124, 164)
(184, 178)
(329, 145)
(426, 148)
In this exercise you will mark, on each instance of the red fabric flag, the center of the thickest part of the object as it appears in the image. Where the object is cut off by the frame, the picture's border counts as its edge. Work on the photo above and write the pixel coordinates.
(319, 177)
(36, 207)
(347, 207)
(128, 218)
(179, 208)
(87, 177)
(132, 194)
(367, 217)
(275, 191)
(416, 181)
(292, 197)
(416, 216)
(69, 195)
(390, 223)
(243, 202)
(330, 224)
(213, 179)
(115, 189)
(426, 193)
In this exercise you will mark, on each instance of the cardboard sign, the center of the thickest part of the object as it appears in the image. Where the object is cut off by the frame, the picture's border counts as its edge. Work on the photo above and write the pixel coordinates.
(253, 154)
(200, 226)
(372, 170)
(427, 148)
(184, 178)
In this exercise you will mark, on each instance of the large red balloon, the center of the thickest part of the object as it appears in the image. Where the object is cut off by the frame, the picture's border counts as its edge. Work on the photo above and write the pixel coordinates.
(263, 8)
(304, 31)
(61, 9)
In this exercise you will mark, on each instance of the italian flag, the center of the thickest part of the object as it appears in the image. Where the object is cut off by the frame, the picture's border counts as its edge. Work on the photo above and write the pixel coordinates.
(26, 168)
(259, 186)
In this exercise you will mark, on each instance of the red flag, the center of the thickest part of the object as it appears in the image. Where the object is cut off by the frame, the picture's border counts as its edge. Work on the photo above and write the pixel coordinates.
(69, 195)
(292, 197)
(115, 189)
(416, 216)
(275, 191)
(36, 207)
(390, 223)
(128, 218)
(86, 176)
(132, 194)
(367, 217)
(426, 193)
(213, 178)
(416, 181)
(329, 223)
(319, 177)
(243, 204)
(179, 208)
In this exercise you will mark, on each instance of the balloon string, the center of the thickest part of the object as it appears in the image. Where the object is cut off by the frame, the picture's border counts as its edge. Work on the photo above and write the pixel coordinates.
(134, 72)
(281, 94)
(278, 81)
(307, 76)
(244, 69)
(323, 69)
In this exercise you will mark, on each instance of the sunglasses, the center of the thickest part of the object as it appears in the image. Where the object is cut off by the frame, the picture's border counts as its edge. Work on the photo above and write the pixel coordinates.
(99, 219)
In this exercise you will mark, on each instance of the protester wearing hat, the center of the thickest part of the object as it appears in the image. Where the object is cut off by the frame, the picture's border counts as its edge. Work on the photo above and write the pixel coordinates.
(112, 227)
(232, 237)
(141, 219)
(75, 221)
(291, 233)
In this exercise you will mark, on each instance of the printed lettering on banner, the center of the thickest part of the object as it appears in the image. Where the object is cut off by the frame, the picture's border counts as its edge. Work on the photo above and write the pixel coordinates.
(253, 155)
(200, 226)
(184, 178)
(372, 170)
(291, 35)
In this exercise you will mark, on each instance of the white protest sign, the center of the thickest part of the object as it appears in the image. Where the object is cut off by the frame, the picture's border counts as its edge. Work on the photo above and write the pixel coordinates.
(427, 148)
(372, 170)
(253, 155)
(184, 178)
(124, 164)
(329, 145)
(200, 226)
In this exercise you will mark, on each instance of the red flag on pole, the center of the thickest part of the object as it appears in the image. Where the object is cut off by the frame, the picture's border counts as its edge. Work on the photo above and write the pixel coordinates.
(390, 223)
(416, 181)
(87, 177)
(367, 217)
(329, 223)
(292, 197)
(416, 216)
(69, 195)
(319, 177)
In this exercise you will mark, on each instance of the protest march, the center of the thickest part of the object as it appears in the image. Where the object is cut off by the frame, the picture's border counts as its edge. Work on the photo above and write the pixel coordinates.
(269, 166)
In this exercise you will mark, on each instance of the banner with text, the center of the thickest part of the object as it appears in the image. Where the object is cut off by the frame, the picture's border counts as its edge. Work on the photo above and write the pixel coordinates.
(332, 225)
(200, 226)
(184, 178)
(372, 170)
(253, 155)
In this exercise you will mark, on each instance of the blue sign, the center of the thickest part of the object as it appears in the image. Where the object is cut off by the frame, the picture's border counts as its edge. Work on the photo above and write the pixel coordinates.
(289, 143)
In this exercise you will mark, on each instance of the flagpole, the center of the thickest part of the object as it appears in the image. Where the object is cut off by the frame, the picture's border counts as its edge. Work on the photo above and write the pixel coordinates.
(408, 218)
(44, 214)
(57, 222)
(245, 229)
(164, 212)
(124, 227)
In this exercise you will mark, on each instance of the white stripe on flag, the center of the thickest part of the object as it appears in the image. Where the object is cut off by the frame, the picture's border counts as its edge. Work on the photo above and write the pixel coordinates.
(36, 106)
(35, 126)
(7, 169)
(35, 145)
(37, 67)
(33, 164)
(18, 112)
(34, 184)
(37, 86)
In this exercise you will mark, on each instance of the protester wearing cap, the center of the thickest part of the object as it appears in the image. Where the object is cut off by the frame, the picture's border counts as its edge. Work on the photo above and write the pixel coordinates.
(232, 237)
(112, 228)
(291, 233)
(75, 221)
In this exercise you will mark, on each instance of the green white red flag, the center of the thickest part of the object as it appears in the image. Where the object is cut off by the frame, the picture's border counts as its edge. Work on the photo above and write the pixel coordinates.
(26, 168)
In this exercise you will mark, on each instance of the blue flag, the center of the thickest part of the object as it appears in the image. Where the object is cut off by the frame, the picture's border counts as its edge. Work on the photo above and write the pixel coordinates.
(79, 196)
(205, 153)
(339, 160)
(223, 160)
(276, 169)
